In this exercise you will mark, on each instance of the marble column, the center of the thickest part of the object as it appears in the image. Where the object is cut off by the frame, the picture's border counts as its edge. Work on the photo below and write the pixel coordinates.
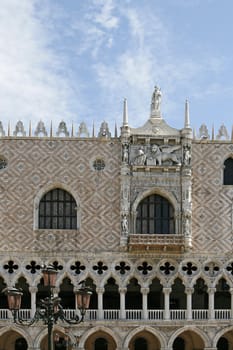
(189, 292)
(167, 292)
(122, 292)
(211, 292)
(33, 291)
(100, 292)
(144, 292)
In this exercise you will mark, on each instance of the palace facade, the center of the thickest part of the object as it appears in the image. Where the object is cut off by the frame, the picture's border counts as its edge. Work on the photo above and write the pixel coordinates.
(145, 218)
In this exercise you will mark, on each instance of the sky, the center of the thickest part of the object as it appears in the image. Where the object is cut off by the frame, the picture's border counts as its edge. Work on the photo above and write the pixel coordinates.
(76, 61)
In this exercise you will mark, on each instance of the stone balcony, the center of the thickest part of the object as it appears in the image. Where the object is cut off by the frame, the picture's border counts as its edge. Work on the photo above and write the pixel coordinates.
(156, 242)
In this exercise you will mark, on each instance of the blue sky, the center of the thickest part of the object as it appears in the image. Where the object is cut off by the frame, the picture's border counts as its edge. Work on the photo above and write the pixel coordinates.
(76, 60)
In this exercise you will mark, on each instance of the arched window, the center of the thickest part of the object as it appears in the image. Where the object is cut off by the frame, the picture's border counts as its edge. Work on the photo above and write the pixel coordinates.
(228, 172)
(155, 215)
(58, 210)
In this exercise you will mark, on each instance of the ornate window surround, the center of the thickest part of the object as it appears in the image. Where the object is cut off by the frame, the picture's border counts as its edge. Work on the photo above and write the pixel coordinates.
(170, 197)
(46, 189)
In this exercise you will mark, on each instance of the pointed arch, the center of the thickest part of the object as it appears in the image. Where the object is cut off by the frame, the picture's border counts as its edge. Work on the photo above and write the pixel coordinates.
(100, 330)
(203, 337)
(74, 198)
(142, 329)
(228, 171)
(155, 211)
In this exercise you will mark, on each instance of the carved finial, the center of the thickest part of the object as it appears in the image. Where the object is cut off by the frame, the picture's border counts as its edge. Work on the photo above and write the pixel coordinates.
(156, 103)
(82, 131)
(19, 129)
(72, 130)
(62, 129)
(40, 129)
(104, 130)
(232, 134)
(213, 132)
(125, 113)
(2, 132)
(187, 120)
(9, 129)
(93, 130)
(51, 129)
(30, 128)
(115, 129)
(222, 133)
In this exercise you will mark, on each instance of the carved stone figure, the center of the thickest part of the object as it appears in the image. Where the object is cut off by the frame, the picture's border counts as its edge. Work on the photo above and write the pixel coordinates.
(124, 224)
(156, 100)
(187, 155)
(162, 154)
(125, 153)
(140, 159)
(125, 198)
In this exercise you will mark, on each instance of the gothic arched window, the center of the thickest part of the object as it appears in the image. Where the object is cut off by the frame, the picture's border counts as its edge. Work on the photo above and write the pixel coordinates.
(155, 215)
(228, 172)
(58, 210)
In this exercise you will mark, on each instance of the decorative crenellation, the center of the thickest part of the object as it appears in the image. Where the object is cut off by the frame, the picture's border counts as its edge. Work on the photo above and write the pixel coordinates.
(222, 133)
(61, 131)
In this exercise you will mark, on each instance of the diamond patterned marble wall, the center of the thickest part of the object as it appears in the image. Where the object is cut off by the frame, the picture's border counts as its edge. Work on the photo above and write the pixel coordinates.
(212, 201)
(35, 164)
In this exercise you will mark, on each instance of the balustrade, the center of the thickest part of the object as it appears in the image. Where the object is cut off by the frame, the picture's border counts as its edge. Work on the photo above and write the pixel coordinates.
(133, 315)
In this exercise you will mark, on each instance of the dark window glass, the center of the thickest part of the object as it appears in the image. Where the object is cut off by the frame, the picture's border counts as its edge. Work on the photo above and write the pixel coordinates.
(228, 172)
(101, 344)
(155, 215)
(179, 344)
(140, 344)
(21, 344)
(57, 210)
(222, 344)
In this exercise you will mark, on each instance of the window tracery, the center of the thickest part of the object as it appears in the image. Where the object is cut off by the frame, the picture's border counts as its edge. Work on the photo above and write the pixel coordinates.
(155, 215)
(58, 210)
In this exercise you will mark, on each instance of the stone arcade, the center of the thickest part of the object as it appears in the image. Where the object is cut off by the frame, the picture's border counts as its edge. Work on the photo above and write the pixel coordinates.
(146, 218)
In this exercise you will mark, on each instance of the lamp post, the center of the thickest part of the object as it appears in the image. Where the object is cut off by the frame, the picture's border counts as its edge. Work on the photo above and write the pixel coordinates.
(49, 310)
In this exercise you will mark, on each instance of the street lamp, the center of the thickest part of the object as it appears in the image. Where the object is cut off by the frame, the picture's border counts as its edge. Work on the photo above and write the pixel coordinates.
(49, 310)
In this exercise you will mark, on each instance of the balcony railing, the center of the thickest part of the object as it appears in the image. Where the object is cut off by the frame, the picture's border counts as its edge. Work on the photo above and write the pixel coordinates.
(133, 315)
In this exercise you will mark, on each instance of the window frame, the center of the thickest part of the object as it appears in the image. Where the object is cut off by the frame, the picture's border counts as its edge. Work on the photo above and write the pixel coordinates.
(152, 218)
(43, 192)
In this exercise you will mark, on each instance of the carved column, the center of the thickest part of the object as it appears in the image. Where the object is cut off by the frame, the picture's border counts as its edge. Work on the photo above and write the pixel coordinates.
(145, 292)
(122, 302)
(211, 292)
(125, 187)
(167, 292)
(189, 292)
(187, 194)
(100, 292)
(231, 291)
(33, 291)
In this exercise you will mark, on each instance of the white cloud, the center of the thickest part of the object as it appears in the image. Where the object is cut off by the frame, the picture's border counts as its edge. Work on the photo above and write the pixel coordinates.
(105, 16)
(30, 86)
